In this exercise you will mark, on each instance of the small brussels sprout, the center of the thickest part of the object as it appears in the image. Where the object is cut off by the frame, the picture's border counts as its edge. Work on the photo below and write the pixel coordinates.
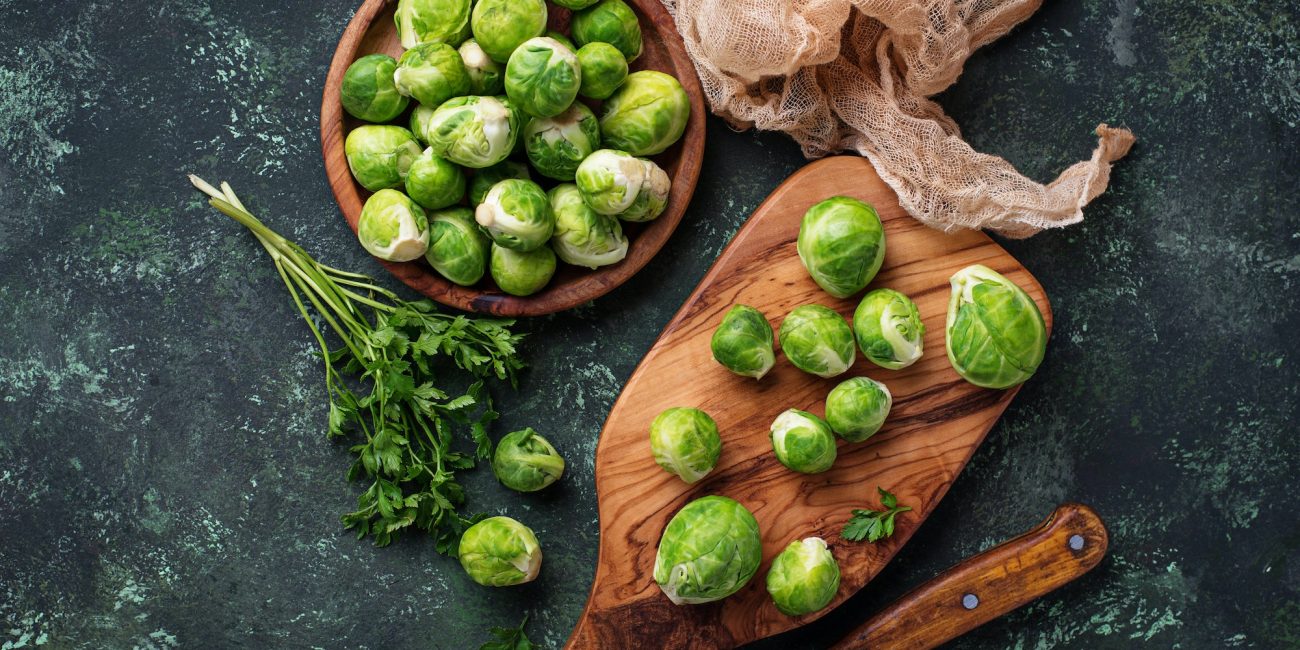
(685, 442)
(575, 5)
(380, 156)
(995, 334)
(500, 26)
(516, 215)
(486, 77)
(458, 250)
(526, 462)
(608, 21)
(522, 274)
(709, 550)
(582, 236)
(804, 577)
(432, 21)
(842, 244)
(562, 39)
(803, 442)
(392, 227)
(368, 92)
(889, 328)
(500, 552)
(653, 197)
(857, 408)
(556, 145)
(432, 73)
(470, 131)
(434, 182)
(817, 340)
(484, 179)
(542, 77)
(603, 70)
(645, 115)
(610, 180)
(743, 342)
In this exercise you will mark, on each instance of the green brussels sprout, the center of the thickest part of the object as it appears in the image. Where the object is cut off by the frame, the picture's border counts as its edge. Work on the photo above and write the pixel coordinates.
(685, 442)
(608, 21)
(484, 179)
(474, 132)
(500, 26)
(804, 577)
(803, 442)
(574, 5)
(857, 408)
(500, 552)
(603, 70)
(521, 274)
(889, 328)
(526, 462)
(380, 156)
(995, 334)
(646, 114)
(562, 39)
(368, 92)
(584, 237)
(556, 145)
(432, 21)
(610, 180)
(392, 227)
(432, 73)
(458, 250)
(517, 215)
(542, 77)
(486, 77)
(743, 342)
(434, 182)
(842, 244)
(653, 197)
(709, 550)
(817, 340)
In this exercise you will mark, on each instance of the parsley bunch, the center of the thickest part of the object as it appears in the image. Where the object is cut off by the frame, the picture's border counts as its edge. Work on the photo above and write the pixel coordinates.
(873, 525)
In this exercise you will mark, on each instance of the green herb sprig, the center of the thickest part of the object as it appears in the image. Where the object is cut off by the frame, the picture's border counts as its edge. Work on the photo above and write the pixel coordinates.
(873, 525)
(509, 638)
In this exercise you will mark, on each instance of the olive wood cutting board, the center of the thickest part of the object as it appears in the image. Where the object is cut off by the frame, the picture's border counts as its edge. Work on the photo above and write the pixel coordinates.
(936, 423)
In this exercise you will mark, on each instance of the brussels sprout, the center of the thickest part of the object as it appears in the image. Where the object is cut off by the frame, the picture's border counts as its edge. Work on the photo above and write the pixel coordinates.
(804, 577)
(486, 77)
(499, 552)
(842, 244)
(432, 73)
(817, 340)
(743, 342)
(645, 115)
(857, 408)
(516, 215)
(653, 197)
(500, 26)
(368, 92)
(526, 462)
(392, 227)
(685, 442)
(803, 442)
(889, 328)
(522, 274)
(484, 179)
(542, 77)
(603, 70)
(995, 334)
(457, 248)
(562, 39)
(709, 550)
(380, 156)
(575, 5)
(432, 21)
(582, 236)
(434, 182)
(470, 131)
(610, 180)
(608, 21)
(556, 145)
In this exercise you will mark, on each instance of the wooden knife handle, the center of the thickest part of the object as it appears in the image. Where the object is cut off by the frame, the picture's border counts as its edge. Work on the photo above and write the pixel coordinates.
(1065, 546)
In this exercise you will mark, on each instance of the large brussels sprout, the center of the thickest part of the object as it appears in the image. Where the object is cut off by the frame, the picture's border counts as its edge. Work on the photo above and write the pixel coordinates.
(557, 145)
(584, 237)
(817, 340)
(653, 197)
(842, 244)
(526, 462)
(368, 92)
(995, 334)
(743, 342)
(380, 156)
(486, 77)
(685, 442)
(432, 73)
(888, 328)
(857, 408)
(608, 21)
(470, 131)
(499, 552)
(485, 178)
(434, 182)
(610, 180)
(500, 26)
(392, 227)
(432, 21)
(458, 250)
(803, 442)
(522, 274)
(603, 70)
(516, 214)
(646, 115)
(804, 577)
(709, 550)
(542, 77)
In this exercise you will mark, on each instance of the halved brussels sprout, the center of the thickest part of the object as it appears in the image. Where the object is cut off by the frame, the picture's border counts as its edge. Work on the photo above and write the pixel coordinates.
(458, 250)
(685, 442)
(368, 92)
(500, 26)
(556, 145)
(603, 70)
(485, 178)
(432, 21)
(380, 156)
(470, 131)
(743, 342)
(804, 577)
(563, 40)
(392, 227)
(526, 462)
(889, 329)
(486, 77)
(608, 21)
(582, 236)
(857, 408)
(432, 73)
(709, 550)
(542, 77)
(434, 182)
(653, 197)
(803, 442)
(645, 115)
(516, 214)
(842, 244)
(817, 340)
(610, 180)
(996, 336)
(522, 274)
(500, 552)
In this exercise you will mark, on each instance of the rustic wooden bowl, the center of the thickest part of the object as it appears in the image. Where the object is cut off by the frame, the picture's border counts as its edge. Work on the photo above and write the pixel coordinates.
(372, 30)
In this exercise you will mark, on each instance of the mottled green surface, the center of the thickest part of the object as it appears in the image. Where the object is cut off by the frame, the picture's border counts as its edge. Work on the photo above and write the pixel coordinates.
(164, 477)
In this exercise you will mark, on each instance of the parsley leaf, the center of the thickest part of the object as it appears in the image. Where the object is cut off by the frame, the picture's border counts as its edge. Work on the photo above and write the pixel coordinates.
(507, 638)
(873, 525)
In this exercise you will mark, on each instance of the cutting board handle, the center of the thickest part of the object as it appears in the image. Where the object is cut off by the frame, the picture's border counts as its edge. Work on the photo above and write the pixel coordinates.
(1065, 546)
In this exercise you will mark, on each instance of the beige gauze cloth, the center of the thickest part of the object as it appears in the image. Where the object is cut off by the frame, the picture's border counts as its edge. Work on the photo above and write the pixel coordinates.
(857, 74)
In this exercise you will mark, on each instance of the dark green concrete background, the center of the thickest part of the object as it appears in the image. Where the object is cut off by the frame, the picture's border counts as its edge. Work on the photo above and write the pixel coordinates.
(165, 480)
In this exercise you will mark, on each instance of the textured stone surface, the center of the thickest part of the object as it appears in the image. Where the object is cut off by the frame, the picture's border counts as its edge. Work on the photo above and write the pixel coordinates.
(164, 478)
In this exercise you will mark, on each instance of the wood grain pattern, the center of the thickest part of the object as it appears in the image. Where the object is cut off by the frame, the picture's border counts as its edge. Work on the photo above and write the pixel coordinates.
(372, 30)
(937, 421)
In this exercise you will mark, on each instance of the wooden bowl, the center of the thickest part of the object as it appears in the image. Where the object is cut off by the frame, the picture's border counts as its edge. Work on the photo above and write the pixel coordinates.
(372, 30)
